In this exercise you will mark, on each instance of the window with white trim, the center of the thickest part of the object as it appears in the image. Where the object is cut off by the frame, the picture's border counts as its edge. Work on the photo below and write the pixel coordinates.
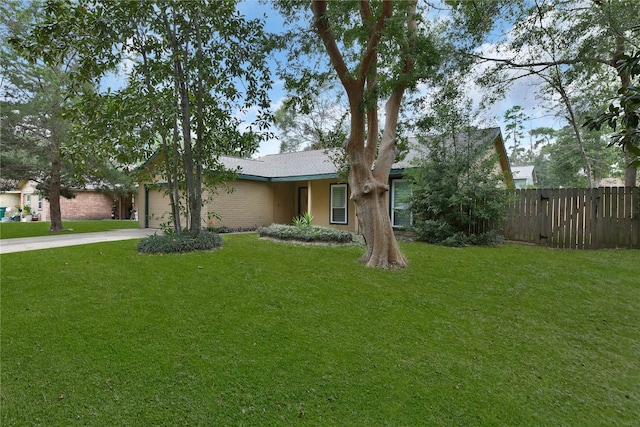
(338, 204)
(400, 193)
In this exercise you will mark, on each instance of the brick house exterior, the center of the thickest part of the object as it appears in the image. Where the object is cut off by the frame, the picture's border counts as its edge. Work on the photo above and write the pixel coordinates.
(87, 205)
(277, 187)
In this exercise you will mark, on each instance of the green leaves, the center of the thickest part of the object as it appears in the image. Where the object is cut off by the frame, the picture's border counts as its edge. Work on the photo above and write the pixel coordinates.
(623, 114)
(456, 190)
(306, 233)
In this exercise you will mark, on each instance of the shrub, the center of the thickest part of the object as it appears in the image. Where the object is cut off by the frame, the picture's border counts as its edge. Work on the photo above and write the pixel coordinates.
(223, 229)
(183, 242)
(308, 233)
(456, 192)
(442, 233)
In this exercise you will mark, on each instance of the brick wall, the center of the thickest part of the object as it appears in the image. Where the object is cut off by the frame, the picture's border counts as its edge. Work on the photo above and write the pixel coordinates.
(251, 204)
(86, 205)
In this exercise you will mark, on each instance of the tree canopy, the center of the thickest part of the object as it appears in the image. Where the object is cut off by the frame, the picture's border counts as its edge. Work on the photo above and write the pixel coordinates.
(378, 51)
(193, 68)
(37, 142)
(571, 48)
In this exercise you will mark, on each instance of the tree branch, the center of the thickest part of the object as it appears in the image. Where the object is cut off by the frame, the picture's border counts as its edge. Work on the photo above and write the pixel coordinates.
(319, 9)
(365, 10)
(372, 46)
(514, 64)
(388, 148)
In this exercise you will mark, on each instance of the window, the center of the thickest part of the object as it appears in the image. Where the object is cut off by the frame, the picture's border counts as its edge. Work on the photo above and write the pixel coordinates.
(338, 204)
(39, 202)
(27, 201)
(400, 192)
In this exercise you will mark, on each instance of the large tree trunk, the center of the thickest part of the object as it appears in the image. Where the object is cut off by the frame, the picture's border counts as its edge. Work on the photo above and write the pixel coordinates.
(375, 226)
(369, 188)
(54, 194)
(630, 173)
(369, 184)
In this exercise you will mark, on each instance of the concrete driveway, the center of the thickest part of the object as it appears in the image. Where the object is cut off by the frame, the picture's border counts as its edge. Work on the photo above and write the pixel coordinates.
(56, 241)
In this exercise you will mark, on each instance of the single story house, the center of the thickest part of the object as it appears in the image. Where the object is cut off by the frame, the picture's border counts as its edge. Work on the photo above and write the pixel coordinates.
(88, 204)
(524, 176)
(278, 187)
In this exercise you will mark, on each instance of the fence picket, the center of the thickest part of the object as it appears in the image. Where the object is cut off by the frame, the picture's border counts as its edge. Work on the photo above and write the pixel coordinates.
(628, 215)
(607, 216)
(634, 221)
(599, 224)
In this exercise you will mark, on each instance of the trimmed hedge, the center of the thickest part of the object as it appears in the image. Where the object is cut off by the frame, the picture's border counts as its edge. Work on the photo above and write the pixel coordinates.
(306, 233)
(183, 242)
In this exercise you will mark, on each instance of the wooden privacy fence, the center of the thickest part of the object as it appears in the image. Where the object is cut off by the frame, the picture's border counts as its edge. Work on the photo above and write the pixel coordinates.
(607, 217)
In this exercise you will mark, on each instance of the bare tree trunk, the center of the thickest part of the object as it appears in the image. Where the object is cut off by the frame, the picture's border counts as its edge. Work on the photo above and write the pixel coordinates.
(54, 193)
(368, 192)
(370, 189)
(583, 153)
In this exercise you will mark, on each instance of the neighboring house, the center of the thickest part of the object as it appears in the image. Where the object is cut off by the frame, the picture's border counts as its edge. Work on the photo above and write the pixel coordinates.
(90, 203)
(9, 197)
(524, 176)
(278, 187)
(611, 182)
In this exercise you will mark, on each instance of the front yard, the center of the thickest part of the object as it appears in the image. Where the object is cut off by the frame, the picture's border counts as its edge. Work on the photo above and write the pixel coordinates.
(267, 333)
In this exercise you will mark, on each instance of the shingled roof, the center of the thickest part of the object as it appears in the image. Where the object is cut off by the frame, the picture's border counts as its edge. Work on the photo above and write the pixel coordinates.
(285, 166)
(317, 164)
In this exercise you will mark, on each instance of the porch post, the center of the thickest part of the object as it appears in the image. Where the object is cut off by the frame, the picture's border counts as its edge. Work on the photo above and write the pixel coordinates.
(309, 204)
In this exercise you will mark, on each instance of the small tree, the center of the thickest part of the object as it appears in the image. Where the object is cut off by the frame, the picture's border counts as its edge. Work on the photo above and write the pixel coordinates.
(457, 193)
(514, 133)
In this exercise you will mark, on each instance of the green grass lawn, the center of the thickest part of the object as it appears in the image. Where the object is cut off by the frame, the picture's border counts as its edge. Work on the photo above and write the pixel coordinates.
(265, 333)
(11, 230)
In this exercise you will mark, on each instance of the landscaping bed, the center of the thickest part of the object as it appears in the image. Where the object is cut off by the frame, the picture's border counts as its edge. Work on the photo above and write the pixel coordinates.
(306, 233)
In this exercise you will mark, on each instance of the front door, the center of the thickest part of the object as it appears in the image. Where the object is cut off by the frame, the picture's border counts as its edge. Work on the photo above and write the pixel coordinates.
(303, 200)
